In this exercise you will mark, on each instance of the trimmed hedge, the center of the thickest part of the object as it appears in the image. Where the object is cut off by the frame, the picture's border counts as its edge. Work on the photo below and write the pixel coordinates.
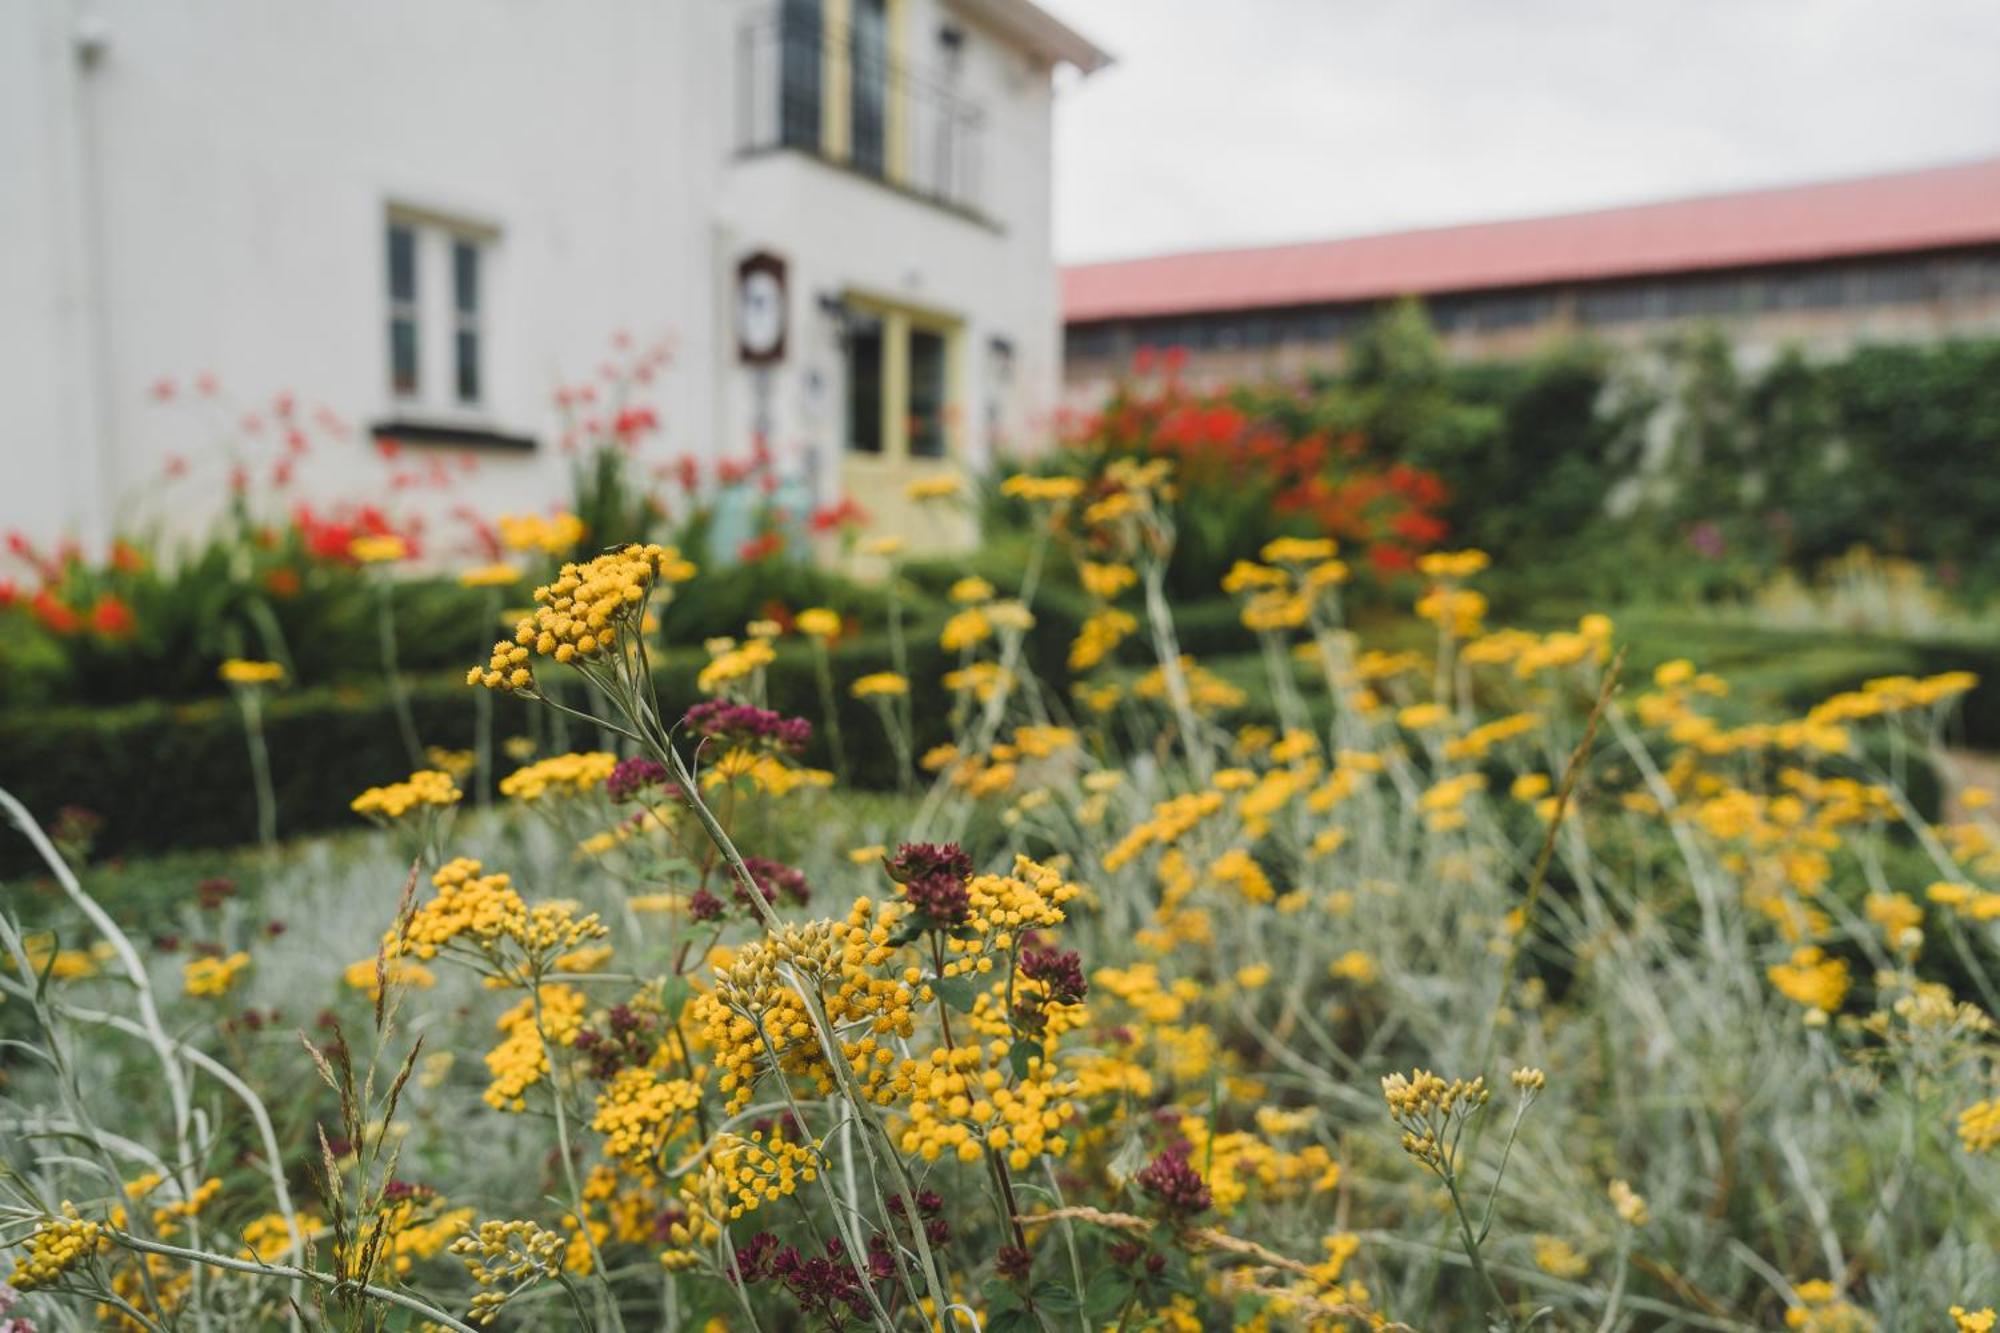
(177, 775)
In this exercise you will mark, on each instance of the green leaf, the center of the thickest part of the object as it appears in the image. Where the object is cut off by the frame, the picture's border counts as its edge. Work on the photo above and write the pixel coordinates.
(1056, 1298)
(1107, 1295)
(957, 992)
(1020, 1054)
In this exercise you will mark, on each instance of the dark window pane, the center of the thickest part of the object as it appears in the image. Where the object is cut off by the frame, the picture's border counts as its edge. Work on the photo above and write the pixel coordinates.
(927, 394)
(799, 74)
(465, 277)
(402, 263)
(869, 60)
(864, 385)
(403, 355)
(468, 365)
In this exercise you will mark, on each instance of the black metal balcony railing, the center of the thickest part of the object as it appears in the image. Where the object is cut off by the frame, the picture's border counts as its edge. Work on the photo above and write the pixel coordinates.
(836, 93)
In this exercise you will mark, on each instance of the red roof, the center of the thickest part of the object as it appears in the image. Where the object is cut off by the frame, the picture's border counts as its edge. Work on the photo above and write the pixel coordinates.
(1931, 209)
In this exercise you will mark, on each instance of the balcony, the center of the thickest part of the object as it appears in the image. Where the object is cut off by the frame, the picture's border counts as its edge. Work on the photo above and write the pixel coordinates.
(840, 95)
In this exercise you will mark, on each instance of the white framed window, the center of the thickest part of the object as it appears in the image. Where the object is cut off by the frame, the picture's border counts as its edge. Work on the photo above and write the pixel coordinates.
(438, 274)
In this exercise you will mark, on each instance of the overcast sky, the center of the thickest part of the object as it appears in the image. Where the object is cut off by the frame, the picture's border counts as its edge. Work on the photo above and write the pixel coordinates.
(1238, 122)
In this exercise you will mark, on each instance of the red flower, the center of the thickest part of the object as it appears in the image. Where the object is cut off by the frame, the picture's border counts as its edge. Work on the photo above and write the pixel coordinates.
(282, 582)
(127, 558)
(163, 390)
(112, 618)
(761, 548)
(55, 616)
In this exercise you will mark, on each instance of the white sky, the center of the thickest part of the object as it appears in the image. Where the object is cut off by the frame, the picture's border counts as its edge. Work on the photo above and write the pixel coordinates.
(1238, 122)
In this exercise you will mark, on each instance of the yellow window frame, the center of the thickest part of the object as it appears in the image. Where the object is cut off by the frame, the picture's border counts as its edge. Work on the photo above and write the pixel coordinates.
(837, 87)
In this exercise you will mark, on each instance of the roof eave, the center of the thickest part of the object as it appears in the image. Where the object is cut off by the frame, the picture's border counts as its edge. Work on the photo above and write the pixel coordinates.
(1038, 30)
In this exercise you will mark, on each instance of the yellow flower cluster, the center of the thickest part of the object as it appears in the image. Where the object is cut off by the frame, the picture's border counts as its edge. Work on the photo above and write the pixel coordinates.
(879, 685)
(1101, 632)
(819, 622)
(532, 532)
(1973, 1321)
(756, 1017)
(1812, 979)
(754, 1171)
(1427, 1107)
(640, 1114)
(1042, 490)
(1821, 1309)
(521, 1059)
(730, 664)
(1979, 1126)
(368, 974)
(378, 549)
(577, 774)
(1003, 908)
(496, 575)
(961, 1102)
(242, 671)
(584, 616)
(1171, 820)
(425, 788)
(502, 1257)
(57, 1246)
(483, 912)
(211, 977)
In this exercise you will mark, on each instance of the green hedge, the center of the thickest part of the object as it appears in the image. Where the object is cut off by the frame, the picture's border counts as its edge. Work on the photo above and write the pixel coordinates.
(177, 775)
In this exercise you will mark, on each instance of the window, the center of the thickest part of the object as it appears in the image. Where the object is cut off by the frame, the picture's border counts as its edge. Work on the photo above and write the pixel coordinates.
(868, 58)
(439, 290)
(927, 393)
(865, 366)
(900, 393)
(402, 310)
(465, 318)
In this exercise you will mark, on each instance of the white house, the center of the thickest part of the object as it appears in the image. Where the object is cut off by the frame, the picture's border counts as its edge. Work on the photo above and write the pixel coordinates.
(425, 216)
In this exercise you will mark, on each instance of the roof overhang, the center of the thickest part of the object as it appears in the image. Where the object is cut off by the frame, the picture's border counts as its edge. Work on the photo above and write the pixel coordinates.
(1036, 29)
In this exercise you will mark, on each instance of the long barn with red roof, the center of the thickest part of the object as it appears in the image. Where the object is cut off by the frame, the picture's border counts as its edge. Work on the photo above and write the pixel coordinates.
(1910, 255)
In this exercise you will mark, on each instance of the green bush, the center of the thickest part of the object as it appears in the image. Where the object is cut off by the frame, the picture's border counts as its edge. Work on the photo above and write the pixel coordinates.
(170, 775)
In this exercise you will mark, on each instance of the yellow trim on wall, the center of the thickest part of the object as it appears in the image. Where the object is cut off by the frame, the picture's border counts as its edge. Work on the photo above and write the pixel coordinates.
(897, 159)
(836, 81)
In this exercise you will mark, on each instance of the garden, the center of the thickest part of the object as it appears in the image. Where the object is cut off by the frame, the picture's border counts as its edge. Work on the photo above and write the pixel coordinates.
(1430, 847)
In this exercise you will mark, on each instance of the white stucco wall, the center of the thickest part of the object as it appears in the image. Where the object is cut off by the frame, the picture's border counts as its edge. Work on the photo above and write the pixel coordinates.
(209, 197)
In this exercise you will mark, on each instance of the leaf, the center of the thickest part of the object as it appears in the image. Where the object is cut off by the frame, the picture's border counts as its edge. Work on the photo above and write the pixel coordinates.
(1107, 1296)
(1055, 1297)
(957, 992)
(1021, 1054)
(1001, 1295)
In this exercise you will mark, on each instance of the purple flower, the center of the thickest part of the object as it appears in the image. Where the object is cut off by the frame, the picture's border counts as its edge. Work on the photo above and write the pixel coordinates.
(635, 775)
(933, 877)
(719, 719)
(1171, 1181)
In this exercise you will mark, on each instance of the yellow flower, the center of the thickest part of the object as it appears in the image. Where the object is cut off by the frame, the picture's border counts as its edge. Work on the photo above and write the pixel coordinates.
(532, 532)
(971, 589)
(1558, 1258)
(1042, 490)
(1631, 1208)
(424, 788)
(879, 684)
(1979, 1126)
(497, 575)
(941, 487)
(819, 623)
(1812, 979)
(242, 671)
(968, 627)
(211, 977)
(1972, 1321)
(378, 550)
